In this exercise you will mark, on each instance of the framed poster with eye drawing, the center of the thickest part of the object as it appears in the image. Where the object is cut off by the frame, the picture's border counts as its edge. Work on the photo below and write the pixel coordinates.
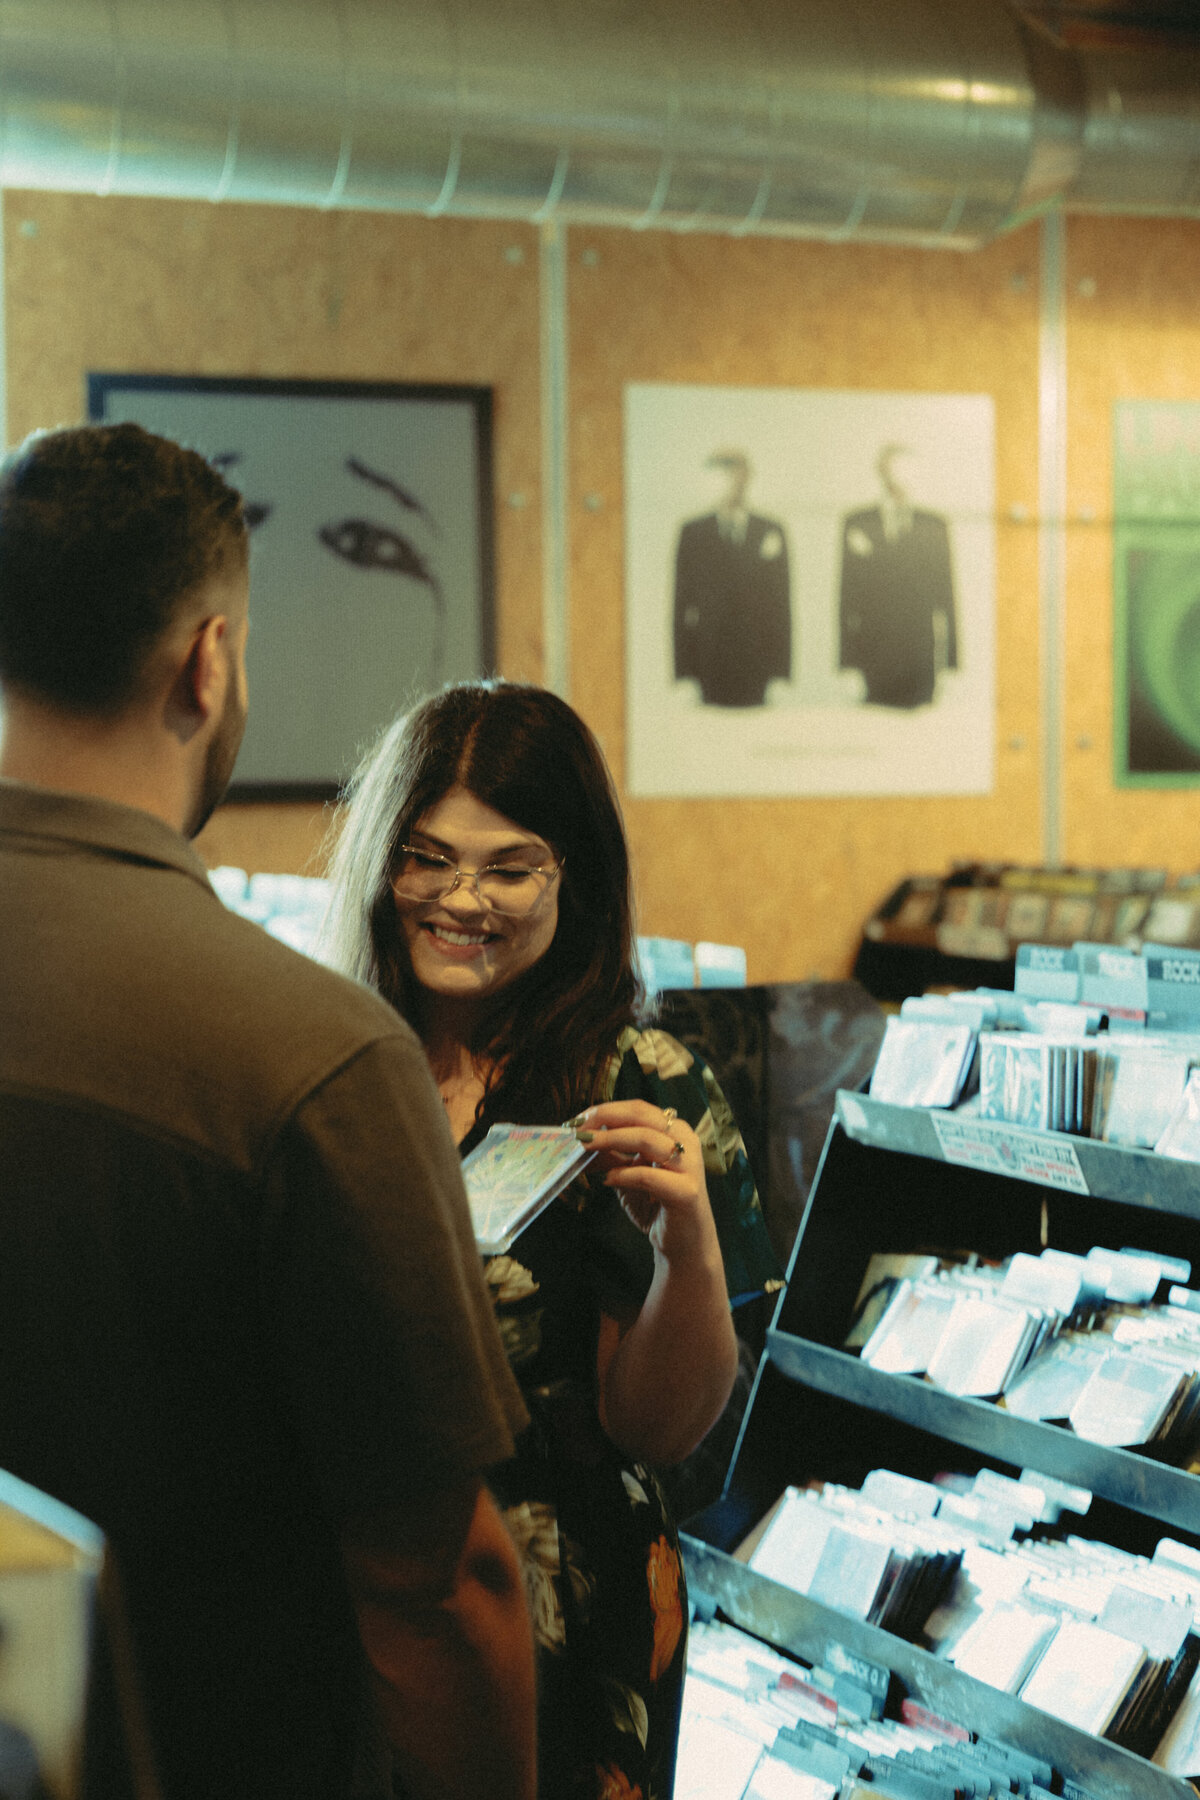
(370, 510)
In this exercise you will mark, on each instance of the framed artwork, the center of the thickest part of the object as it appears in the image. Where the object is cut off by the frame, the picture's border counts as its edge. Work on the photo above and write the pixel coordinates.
(810, 591)
(1156, 593)
(370, 508)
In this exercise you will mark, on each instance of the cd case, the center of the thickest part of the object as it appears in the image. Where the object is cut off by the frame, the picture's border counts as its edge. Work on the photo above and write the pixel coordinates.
(514, 1174)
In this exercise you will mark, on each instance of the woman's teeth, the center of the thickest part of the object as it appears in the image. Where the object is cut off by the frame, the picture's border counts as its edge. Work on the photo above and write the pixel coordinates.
(459, 937)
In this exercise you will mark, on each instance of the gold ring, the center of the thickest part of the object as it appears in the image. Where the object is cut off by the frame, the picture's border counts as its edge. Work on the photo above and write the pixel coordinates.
(669, 1113)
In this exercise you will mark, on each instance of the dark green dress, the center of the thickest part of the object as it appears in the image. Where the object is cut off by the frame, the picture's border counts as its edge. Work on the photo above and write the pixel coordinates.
(603, 1568)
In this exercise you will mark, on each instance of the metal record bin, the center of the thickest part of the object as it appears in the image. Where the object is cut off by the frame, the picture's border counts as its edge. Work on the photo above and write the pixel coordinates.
(50, 1564)
(885, 1183)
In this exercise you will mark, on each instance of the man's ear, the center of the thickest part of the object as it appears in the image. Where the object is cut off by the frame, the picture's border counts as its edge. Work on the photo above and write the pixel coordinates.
(198, 691)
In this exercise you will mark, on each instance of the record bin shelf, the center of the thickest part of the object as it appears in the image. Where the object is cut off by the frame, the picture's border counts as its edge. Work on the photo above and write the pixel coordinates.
(1170, 1495)
(807, 1629)
(1109, 1171)
(886, 1183)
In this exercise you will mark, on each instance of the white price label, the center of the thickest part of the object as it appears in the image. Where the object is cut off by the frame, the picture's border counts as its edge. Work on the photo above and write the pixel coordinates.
(1009, 1150)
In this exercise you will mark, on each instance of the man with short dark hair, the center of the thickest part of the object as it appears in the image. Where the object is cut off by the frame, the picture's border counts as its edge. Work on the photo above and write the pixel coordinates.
(242, 1321)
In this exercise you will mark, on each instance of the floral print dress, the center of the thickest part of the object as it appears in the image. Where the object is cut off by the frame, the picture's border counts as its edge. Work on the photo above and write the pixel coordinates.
(601, 1555)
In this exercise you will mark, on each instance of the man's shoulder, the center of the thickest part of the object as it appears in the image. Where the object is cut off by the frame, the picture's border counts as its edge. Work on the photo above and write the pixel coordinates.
(179, 1018)
(287, 985)
(266, 1029)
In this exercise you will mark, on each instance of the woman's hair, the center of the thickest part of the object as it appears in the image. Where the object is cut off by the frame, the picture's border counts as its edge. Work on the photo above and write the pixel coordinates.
(526, 754)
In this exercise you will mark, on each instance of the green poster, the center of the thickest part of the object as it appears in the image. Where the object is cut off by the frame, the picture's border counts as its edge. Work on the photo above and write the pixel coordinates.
(1156, 593)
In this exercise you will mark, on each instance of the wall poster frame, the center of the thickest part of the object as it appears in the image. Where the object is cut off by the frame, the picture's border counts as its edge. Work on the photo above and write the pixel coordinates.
(1156, 593)
(810, 591)
(372, 551)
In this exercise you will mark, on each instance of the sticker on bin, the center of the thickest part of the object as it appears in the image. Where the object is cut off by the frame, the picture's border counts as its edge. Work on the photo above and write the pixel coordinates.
(1003, 1149)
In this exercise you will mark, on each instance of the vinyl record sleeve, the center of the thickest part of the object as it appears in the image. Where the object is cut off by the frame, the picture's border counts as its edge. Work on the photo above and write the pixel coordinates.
(1145, 1084)
(791, 1547)
(983, 1342)
(1083, 1676)
(908, 1335)
(1181, 1136)
(1003, 1644)
(1049, 1386)
(1124, 1400)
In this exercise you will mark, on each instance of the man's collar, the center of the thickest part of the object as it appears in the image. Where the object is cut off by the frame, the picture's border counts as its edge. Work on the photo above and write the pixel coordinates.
(103, 825)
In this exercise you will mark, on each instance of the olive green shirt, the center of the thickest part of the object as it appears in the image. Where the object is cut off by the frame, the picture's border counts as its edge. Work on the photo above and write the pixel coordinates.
(240, 1300)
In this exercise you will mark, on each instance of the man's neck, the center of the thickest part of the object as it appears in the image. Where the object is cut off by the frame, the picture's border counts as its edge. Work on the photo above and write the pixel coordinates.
(70, 754)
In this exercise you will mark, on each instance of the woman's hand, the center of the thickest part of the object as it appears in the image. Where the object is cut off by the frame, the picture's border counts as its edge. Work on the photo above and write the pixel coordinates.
(663, 1377)
(653, 1159)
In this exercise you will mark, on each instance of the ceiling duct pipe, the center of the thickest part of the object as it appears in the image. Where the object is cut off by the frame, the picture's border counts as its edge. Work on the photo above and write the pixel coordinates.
(1141, 141)
(914, 121)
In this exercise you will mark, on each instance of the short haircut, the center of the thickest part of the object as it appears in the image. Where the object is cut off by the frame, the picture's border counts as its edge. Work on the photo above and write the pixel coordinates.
(104, 530)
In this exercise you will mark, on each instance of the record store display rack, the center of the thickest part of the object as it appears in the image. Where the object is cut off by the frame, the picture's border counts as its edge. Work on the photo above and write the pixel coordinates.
(891, 1181)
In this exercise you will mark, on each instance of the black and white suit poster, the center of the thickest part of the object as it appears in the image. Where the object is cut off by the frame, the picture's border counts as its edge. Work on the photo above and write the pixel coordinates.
(810, 579)
(732, 596)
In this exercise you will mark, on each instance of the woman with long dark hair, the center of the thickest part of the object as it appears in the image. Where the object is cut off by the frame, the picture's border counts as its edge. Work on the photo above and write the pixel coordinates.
(481, 883)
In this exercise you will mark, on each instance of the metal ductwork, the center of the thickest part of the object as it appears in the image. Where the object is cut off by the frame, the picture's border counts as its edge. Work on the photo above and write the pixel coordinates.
(916, 121)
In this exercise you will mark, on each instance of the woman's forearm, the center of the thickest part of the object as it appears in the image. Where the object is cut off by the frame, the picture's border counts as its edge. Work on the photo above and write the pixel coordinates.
(667, 1377)
(664, 1375)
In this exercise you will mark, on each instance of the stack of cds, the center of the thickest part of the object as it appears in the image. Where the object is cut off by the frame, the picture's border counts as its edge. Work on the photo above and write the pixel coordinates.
(1036, 1080)
(760, 1726)
(1104, 1639)
(1080, 1341)
(1124, 1089)
(857, 1553)
(924, 1062)
(1094, 1041)
(1180, 1136)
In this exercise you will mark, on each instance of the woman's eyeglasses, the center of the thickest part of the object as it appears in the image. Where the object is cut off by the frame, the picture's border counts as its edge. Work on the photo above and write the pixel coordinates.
(423, 876)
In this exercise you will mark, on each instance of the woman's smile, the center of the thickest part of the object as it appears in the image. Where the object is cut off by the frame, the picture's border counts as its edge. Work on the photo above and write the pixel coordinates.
(459, 945)
(455, 938)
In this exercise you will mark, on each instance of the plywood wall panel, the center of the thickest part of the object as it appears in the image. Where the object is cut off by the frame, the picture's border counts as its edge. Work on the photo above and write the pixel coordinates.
(1133, 333)
(792, 879)
(177, 287)
(182, 287)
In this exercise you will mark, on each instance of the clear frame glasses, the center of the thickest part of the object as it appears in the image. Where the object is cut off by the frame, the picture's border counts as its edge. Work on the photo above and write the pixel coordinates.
(422, 876)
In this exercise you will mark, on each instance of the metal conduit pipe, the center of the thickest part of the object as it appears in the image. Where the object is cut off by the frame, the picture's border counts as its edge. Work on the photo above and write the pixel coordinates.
(1141, 141)
(918, 121)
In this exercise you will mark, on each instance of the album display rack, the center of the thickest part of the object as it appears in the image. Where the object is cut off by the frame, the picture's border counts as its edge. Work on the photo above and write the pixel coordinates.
(962, 929)
(896, 1179)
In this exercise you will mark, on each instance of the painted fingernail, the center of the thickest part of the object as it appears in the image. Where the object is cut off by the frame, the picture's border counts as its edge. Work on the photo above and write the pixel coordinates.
(585, 1137)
